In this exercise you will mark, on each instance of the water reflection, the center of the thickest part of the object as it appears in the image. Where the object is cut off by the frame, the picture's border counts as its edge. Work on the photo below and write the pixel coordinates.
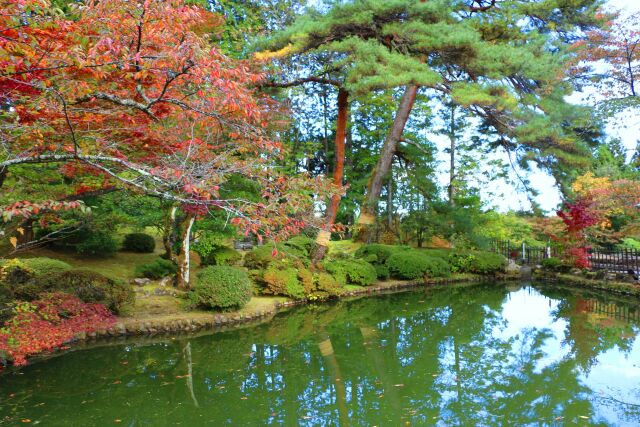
(482, 355)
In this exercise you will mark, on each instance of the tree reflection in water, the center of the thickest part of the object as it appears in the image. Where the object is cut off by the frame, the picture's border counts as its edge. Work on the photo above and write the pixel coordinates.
(481, 355)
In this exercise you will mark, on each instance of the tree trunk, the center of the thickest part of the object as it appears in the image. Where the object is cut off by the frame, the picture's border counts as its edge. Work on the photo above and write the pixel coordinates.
(168, 235)
(452, 156)
(184, 264)
(3, 175)
(368, 208)
(324, 236)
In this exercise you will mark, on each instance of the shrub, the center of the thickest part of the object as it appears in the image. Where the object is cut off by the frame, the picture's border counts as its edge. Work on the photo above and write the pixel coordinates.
(6, 297)
(261, 256)
(157, 269)
(49, 323)
(353, 271)
(377, 253)
(413, 265)
(15, 272)
(89, 286)
(221, 287)
(553, 264)
(382, 271)
(209, 242)
(97, 244)
(222, 256)
(139, 242)
(326, 286)
(283, 279)
(301, 246)
(487, 263)
(46, 266)
(461, 261)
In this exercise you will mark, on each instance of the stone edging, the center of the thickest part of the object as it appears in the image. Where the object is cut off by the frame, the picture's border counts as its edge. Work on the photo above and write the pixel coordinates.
(215, 321)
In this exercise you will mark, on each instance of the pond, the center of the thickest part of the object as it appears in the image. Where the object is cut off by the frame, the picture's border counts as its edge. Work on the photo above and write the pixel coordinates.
(460, 356)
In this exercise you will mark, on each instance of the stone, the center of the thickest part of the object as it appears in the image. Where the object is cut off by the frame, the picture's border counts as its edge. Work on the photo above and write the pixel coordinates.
(141, 281)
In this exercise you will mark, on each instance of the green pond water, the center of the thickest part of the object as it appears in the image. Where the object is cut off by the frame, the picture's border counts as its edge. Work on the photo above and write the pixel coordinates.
(495, 355)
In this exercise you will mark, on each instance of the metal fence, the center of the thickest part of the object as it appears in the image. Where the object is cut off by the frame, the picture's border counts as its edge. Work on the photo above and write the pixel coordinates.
(616, 260)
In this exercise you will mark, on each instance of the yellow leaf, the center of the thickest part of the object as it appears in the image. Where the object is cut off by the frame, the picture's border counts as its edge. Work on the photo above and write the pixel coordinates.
(14, 241)
(20, 230)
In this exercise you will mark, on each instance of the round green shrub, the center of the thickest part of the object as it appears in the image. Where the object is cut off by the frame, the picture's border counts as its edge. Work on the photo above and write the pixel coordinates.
(157, 269)
(301, 246)
(97, 244)
(382, 271)
(261, 256)
(552, 263)
(409, 265)
(221, 287)
(353, 272)
(283, 279)
(209, 242)
(222, 256)
(43, 266)
(487, 263)
(139, 242)
(377, 253)
(90, 286)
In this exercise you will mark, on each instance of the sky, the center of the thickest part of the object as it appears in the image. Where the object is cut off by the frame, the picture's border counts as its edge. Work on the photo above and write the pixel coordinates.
(506, 196)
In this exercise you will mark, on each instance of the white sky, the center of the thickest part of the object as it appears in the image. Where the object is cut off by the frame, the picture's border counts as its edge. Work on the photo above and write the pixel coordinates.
(505, 197)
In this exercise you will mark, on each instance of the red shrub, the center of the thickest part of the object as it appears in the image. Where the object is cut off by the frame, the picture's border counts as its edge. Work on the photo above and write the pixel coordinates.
(49, 323)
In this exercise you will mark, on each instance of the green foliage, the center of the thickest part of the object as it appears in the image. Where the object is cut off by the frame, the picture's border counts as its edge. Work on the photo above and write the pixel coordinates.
(221, 287)
(222, 256)
(208, 242)
(260, 257)
(486, 263)
(352, 272)
(376, 253)
(97, 243)
(15, 272)
(139, 242)
(410, 265)
(89, 286)
(630, 243)
(382, 271)
(284, 279)
(326, 286)
(157, 269)
(552, 263)
(300, 245)
(43, 266)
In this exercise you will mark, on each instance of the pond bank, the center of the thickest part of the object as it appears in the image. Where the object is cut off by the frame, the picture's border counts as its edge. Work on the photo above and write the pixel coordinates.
(620, 288)
(259, 309)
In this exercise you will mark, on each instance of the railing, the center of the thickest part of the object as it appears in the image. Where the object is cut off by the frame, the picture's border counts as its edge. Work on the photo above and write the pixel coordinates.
(615, 261)
(523, 253)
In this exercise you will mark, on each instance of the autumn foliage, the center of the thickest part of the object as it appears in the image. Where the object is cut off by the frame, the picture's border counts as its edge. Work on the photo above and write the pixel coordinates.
(134, 95)
(48, 324)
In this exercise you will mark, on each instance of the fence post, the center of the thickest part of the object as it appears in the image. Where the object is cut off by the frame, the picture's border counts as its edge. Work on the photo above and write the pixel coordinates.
(524, 256)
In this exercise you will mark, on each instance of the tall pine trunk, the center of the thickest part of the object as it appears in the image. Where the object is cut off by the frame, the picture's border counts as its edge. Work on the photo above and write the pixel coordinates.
(452, 156)
(324, 236)
(368, 209)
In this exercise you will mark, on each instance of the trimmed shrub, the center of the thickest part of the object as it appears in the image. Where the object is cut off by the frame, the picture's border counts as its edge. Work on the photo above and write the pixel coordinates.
(157, 269)
(353, 271)
(376, 253)
(15, 272)
(89, 286)
(411, 265)
(222, 256)
(487, 263)
(221, 287)
(326, 286)
(46, 266)
(139, 242)
(301, 246)
(260, 257)
(382, 271)
(97, 244)
(209, 242)
(553, 264)
(283, 279)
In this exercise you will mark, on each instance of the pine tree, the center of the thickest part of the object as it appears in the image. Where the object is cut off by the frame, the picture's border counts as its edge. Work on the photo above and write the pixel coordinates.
(510, 58)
